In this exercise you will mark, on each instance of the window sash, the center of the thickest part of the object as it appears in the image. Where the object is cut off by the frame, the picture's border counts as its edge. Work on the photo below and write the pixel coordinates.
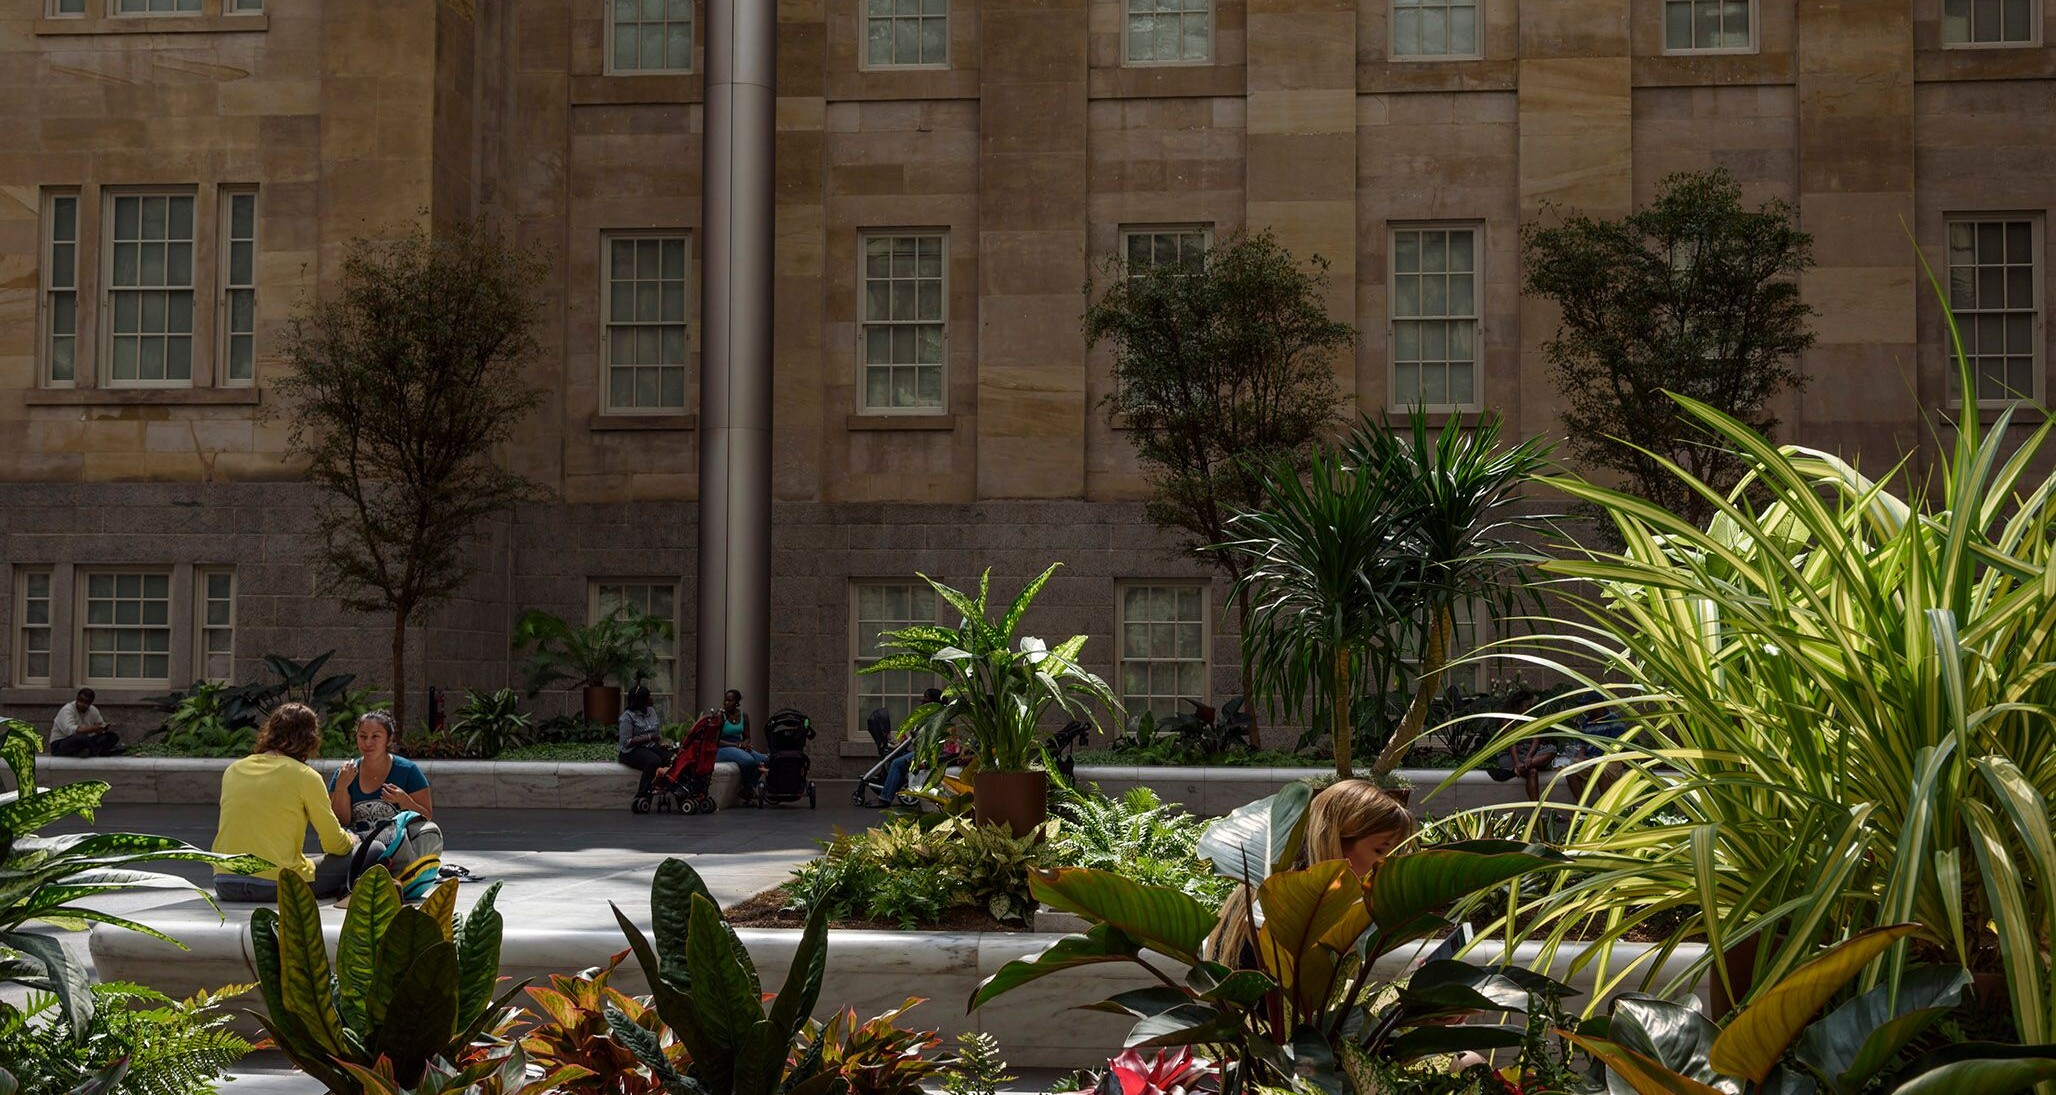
(906, 34)
(1434, 28)
(61, 290)
(67, 7)
(649, 36)
(124, 632)
(1435, 315)
(903, 341)
(886, 606)
(646, 329)
(1163, 638)
(239, 287)
(656, 597)
(157, 7)
(34, 626)
(1995, 292)
(214, 620)
(243, 7)
(1709, 26)
(1168, 32)
(1990, 22)
(150, 282)
(1181, 249)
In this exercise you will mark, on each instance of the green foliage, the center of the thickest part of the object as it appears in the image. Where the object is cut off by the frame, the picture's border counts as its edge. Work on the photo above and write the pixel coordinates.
(340, 718)
(209, 718)
(706, 991)
(491, 723)
(171, 1047)
(1139, 835)
(877, 1056)
(586, 751)
(407, 985)
(52, 879)
(995, 689)
(500, 1073)
(616, 647)
(910, 873)
(574, 728)
(573, 1031)
(1691, 294)
(978, 1069)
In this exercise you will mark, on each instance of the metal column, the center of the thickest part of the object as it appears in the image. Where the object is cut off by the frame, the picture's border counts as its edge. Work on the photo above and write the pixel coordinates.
(735, 355)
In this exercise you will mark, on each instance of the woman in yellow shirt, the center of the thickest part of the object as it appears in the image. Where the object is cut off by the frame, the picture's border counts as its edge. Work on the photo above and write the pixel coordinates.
(267, 801)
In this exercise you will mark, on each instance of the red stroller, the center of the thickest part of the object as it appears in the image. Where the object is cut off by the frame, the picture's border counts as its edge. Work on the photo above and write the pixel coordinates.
(687, 785)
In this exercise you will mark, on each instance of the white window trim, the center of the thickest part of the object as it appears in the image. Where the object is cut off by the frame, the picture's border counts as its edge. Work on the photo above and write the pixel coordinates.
(82, 658)
(2035, 15)
(201, 626)
(47, 261)
(1129, 231)
(21, 624)
(865, 64)
(223, 247)
(2039, 229)
(1206, 629)
(607, 48)
(114, 12)
(1392, 53)
(692, 353)
(864, 236)
(592, 615)
(50, 10)
(854, 643)
(1478, 256)
(236, 7)
(1755, 36)
(1213, 31)
(103, 341)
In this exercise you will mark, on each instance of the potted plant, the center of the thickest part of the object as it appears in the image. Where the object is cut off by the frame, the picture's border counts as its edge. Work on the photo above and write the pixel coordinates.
(995, 690)
(616, 648)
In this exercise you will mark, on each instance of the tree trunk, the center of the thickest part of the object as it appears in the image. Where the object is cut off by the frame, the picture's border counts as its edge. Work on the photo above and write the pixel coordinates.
(1432, 665)
(1256, 738)
(400, 672)
(1339, 724)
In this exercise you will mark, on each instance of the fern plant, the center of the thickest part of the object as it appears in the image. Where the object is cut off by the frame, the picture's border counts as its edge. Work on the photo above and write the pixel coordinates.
(978, 1069)
(1139, 835)
(172, 1047)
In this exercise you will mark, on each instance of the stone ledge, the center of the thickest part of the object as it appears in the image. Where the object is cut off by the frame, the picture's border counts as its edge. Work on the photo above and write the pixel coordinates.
(602, 423)
(900, 422)
(255, 22)
(1219, 790)
(129, 397)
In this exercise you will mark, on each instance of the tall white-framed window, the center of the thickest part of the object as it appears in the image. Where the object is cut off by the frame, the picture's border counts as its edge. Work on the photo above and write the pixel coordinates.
(651, 596)
(214, 622)
(1168, 32)
(1434, 28)
(1995, 292)
(906, 34)
(1163, 631)
(1435, 282)
(649, 36)
(157, 7)
(1972, 23)
(1180, 249)
(239, 287)
(877, 607)
(125, 630)
(646, 337)
(34, 629)
(60, 289)
(150, 290)
(905, 335)
(1709, 26)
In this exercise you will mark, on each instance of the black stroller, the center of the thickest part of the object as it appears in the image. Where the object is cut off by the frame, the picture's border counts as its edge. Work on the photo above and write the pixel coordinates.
(1060, 745)
(785, 776)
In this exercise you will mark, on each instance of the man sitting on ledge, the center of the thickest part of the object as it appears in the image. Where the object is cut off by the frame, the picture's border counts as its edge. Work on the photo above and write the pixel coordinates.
(80, 731)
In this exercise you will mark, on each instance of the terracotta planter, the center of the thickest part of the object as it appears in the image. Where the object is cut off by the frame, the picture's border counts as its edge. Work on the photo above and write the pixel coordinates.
(602, 704)
(1017, 800)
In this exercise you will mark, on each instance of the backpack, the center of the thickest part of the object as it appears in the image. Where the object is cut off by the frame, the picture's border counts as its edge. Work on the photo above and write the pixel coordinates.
(409, 847)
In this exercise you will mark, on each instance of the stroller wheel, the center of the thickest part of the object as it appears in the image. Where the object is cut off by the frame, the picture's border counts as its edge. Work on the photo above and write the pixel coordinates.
(640, 804)
(706, 804)
(688, 806)
(857, 796)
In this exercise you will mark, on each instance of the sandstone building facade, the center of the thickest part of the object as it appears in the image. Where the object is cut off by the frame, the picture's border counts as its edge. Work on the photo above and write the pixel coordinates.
(177, 175)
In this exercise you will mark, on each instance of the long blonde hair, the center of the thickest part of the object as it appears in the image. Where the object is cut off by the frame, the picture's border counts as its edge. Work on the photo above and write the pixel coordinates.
(1346, 811)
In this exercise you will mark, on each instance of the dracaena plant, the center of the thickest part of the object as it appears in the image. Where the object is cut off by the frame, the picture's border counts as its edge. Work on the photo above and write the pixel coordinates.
(996, 687)
(573, 1032)
(877, 1056)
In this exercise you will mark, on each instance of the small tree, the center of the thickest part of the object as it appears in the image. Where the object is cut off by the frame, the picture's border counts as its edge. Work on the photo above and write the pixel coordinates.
(1693, 294)
(1221, 371)
(403, 384)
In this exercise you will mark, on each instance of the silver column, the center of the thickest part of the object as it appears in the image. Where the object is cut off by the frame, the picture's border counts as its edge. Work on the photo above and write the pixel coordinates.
(735, 354)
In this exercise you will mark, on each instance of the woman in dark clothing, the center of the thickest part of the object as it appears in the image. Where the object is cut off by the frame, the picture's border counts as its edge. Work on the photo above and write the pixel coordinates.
(643, 747)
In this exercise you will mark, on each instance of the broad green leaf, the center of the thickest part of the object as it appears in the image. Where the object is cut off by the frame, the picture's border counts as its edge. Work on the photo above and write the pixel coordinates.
(422, 1017)
(478, 956)
(441, 906)
(802, 987)
(67, 978)
(1859, 1039)
(1102, 943)
(1258, 837)
(1436, 1041)
(1189, 1024)
(371, 912)
(724, 995)
(1982, 1077)
(1644, 1075)
(1311, 918)
(1408, 888)
(1673, 1036)
(671, 894)
(411, 933)
(28, 813)
(1757, 1037)
(304, 976)
(1156, 916)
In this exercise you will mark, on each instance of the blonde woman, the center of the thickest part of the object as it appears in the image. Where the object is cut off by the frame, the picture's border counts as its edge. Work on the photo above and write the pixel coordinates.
(268, 799)
(1352, 820)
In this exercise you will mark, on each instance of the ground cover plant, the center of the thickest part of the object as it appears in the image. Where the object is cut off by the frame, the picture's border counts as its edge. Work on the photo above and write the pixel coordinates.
(163, 1046)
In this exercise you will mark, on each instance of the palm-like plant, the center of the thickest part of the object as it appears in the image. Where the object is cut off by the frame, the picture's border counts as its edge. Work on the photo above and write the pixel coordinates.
(995, 688)
(1842, 698)
(617, 647)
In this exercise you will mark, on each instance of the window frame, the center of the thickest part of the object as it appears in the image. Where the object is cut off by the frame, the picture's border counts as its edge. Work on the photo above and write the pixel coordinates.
(1206, 633)
(54, 9)
(1755, 34)
(1477, 50)
(80, 623)
(692, 44)
(45, 319)
(1127, 232)
(114, 12)
(104, 342)
(242, 7)
(606, 324)
(592, 616)
(855, 659)
(864, 62)
(1477, 228)
(863, 405)
(201, 575)
(2035, 15)
(2038, 332)
(224, 285)
(1213, 28)
(22, 575)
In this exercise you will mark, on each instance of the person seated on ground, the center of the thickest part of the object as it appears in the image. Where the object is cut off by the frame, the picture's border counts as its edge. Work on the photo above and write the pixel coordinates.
(902, 766)
(735, 744)
(268, 799)
(372, 788)
(643, 747)
(80, 731)
(1351, 820)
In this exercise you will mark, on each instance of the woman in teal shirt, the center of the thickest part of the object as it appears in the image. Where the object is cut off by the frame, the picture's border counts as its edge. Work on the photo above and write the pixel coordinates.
(370, 789)
(735, 743)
